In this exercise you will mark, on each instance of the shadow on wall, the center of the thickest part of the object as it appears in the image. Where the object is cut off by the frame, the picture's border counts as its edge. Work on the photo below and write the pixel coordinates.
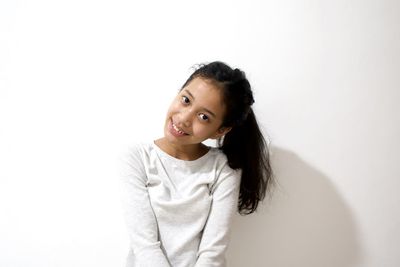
(305, 224)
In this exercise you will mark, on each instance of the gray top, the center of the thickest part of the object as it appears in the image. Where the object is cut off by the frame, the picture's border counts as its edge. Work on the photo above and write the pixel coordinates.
(178, 213)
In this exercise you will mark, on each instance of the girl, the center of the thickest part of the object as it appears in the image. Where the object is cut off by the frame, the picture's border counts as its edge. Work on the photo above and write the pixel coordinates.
(179, 194)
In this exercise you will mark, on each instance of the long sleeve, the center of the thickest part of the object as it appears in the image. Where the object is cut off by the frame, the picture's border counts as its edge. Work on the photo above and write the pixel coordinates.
(215, 236)
(138, 213)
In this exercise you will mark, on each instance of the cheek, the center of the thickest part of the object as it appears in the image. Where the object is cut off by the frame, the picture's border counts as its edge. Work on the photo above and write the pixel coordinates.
(173, 108)
(203, 129)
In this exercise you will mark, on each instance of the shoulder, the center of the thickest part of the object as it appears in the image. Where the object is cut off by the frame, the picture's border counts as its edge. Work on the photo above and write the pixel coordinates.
(220, 160)
(224, 173)
(216, 154)
(134, 154)
(133, 159)
(135, 149)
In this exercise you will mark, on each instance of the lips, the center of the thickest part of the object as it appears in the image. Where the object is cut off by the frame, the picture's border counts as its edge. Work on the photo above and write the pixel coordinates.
(175, 130)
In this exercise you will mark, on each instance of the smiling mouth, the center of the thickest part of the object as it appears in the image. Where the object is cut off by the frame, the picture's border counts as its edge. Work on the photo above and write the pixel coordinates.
(177, 130)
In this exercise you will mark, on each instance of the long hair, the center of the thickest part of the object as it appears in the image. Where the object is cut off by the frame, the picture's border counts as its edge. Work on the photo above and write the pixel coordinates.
(244, 145)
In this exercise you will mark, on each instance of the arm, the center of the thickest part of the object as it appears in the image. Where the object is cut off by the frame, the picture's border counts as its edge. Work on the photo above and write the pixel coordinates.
(138, 213)
(215, 237)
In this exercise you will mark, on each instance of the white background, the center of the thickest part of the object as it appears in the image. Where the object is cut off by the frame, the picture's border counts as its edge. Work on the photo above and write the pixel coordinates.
(79, 80)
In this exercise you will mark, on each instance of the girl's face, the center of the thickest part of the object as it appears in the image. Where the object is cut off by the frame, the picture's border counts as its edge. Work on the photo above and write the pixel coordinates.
(195, 114)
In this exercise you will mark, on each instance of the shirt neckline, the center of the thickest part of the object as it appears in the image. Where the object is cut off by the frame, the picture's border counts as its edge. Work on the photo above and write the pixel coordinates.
(182, 161)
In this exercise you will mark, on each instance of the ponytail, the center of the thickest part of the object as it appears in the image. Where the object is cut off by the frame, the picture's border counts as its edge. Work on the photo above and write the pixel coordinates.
(244, 145)
(246, 149)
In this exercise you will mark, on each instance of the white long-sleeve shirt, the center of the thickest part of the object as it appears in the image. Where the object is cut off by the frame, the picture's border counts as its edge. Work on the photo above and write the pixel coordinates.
(178, 213)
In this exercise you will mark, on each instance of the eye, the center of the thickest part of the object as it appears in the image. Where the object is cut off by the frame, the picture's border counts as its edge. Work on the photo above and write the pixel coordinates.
(185, 100)
(203, 117)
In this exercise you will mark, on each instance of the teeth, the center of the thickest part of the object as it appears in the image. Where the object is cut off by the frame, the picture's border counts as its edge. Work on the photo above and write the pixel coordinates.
(176, 129)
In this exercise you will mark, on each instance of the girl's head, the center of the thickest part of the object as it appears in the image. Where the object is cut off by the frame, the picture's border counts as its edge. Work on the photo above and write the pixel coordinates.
(196, 114)
(234, 88)
(213, 100)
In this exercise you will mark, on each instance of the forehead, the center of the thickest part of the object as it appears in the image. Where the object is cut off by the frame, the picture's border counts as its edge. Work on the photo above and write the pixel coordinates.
(207, 95)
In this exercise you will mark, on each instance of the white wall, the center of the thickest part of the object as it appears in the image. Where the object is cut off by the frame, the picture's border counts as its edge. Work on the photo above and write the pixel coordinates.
(79, 80)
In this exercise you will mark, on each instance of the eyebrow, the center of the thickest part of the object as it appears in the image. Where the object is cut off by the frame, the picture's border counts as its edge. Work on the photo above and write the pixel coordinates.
(209, 111)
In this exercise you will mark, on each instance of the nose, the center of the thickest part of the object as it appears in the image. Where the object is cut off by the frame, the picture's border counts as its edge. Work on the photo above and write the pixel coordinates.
(185, 118)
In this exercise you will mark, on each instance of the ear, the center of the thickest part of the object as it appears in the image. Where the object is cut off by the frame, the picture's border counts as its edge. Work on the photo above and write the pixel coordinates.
(221, 132)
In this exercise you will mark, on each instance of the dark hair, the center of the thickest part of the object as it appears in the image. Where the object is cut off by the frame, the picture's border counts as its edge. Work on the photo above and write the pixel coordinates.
(244, 145)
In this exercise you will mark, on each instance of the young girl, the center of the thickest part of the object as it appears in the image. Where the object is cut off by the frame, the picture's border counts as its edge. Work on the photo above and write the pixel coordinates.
(179, 194)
